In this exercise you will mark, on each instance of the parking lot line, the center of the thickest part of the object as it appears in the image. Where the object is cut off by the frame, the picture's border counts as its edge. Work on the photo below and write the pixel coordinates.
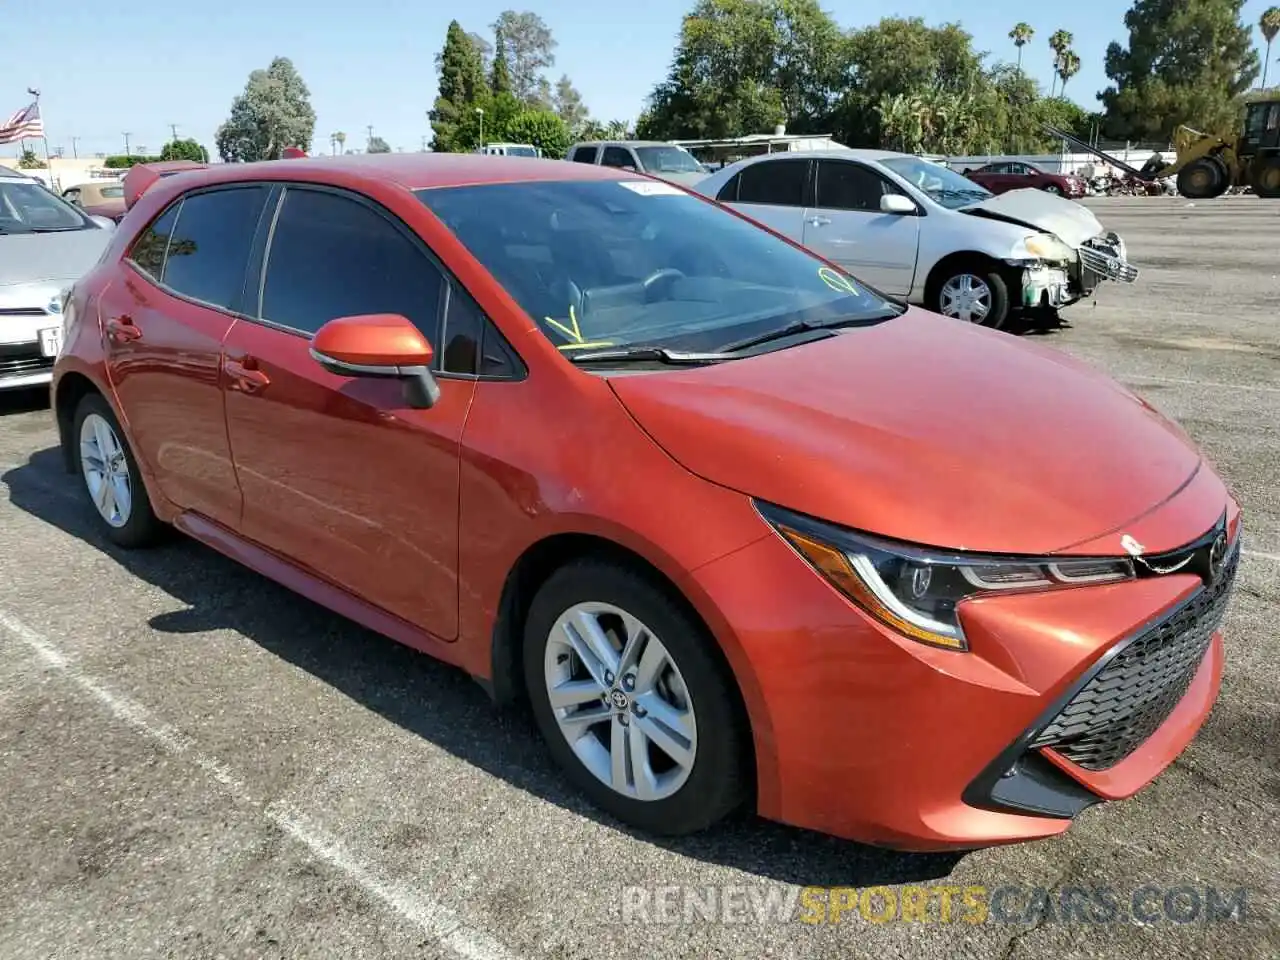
(434, 919)
(1198, 383)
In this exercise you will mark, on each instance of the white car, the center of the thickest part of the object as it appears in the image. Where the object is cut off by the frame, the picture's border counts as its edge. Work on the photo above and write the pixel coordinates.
(920, 232)
(46, 244)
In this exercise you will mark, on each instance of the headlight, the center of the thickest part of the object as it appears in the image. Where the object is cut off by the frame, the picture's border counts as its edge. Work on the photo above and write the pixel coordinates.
(1045, 246)
(917, 590)
(54, 306)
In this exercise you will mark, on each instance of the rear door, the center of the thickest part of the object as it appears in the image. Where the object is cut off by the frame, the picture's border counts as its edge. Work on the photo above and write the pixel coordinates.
(848, 227)
(181, 287)
(339, 474)
(774, 192)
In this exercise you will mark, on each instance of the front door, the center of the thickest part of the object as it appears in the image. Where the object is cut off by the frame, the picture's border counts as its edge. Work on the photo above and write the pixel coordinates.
(165, 321)
(848, 227)
(340, 474)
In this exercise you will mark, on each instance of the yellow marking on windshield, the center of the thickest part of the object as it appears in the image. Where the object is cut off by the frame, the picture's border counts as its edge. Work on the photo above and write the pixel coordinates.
(573, 332)
(585, 346)
(836, 281)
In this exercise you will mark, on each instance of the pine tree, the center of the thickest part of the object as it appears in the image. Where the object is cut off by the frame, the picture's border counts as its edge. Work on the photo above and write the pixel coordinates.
(461, 85)
(500, 78)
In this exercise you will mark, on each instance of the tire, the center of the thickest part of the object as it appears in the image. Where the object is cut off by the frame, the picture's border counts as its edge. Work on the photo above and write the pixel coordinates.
(127, 521)
(1203, 179)
(1053, 189)
(1266, 178)
(980, 275)
(715, 742)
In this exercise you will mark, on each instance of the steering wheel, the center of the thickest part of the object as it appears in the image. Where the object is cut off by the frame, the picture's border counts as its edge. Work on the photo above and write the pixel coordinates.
(665, 275)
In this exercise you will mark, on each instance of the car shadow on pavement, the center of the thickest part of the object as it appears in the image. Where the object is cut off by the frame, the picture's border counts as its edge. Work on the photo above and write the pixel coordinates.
(25, 400)
(426, 697)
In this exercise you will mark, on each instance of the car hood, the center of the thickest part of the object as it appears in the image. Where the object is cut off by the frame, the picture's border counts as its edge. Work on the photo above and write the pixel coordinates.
(926, 430)
(1071, 222)
(683, 179)
(50, 257)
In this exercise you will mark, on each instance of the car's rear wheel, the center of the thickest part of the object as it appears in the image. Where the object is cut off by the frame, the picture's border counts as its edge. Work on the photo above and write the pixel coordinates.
(111, 477)
(632, 701)
(973, 293)
(1203, 179)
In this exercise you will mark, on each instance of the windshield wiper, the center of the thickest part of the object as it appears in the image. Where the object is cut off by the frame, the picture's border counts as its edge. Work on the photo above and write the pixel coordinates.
(802, 326)
(649, 355)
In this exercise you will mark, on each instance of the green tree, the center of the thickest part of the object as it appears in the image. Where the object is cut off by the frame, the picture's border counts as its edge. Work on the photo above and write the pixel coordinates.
(187, 149)
(499, 111)
(742, 66)
(29, 161)
(1068, 67)
(530, 49)
(272, 113)
(377, 145)
(1269, 24)
(1021, 35)
(568, 105)
(460, 86)
(542, 128)
(1185, 63)
(500, 75)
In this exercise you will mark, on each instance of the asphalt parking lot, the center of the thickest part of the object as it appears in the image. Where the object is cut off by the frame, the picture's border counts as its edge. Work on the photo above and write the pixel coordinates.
(196, 763)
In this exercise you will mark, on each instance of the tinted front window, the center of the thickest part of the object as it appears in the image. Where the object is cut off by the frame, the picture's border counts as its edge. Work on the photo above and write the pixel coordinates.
(28, 207)
(332, 256)
(639, 262)
(850, 186)
(148, 248)
(209, 248)
(776, 182)
(585, 155)
(617, 157)
(668, 160)
(943, 185)
(522, 151)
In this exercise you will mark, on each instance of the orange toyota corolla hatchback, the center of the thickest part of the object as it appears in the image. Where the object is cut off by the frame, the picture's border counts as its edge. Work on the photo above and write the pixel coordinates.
(740, 529)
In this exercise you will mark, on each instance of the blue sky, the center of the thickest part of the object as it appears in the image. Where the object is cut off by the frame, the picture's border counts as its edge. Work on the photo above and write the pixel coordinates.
(372, 62)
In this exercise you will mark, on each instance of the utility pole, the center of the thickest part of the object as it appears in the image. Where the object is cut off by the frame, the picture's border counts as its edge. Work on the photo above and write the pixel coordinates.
(126, 145)
(174, 128)
(370, 140)
(424, 144)
(74, 141)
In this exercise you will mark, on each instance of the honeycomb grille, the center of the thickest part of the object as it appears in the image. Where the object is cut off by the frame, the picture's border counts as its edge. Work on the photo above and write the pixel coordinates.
(1134, 694)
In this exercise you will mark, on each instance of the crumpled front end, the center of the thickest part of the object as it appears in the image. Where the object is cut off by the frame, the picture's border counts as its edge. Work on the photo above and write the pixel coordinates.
(1056, 285)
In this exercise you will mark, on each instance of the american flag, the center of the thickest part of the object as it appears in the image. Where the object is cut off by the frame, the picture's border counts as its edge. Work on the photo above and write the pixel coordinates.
(23, 124)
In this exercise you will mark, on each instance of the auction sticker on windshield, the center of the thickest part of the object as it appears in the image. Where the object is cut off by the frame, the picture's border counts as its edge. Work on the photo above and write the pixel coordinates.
(651, 188)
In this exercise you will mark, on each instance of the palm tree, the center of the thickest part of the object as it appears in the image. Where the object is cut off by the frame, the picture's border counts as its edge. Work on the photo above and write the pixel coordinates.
(1068, 67)
(342, 139)
(1270, 26)
(1021, 35)
(1059, 43)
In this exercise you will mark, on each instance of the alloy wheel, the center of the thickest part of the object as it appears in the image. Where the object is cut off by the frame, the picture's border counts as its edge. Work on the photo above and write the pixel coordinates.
(620, 701)
(106, 470)
(965, 297)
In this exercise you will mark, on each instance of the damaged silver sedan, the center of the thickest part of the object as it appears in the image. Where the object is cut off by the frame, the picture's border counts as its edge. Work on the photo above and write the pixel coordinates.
(918, 231)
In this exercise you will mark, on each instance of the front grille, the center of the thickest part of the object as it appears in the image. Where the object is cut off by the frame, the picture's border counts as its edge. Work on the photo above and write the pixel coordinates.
(22, 312)
(17, 360)
(1124, 704)
(1105, 265)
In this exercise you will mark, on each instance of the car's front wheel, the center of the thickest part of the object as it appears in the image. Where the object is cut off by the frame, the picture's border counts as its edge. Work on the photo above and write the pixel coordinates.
(1053, 188)
(633, 702)
(111, 477)
(972, 292)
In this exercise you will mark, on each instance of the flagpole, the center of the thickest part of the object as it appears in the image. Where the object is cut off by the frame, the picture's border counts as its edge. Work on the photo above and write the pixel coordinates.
(44, 135)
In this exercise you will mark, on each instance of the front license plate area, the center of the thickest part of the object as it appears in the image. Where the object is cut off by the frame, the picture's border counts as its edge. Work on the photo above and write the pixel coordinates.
(51, 341)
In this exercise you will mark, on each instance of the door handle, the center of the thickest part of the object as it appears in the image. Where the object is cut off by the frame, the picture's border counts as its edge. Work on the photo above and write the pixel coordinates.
(244, 377)
(817, 221)
(122, 329)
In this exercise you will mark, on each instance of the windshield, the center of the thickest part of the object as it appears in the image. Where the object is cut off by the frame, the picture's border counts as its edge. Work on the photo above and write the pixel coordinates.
(943, 185)
(30, 208)
(607, 263)
(521, 151)
(112, 193)
(668, 160)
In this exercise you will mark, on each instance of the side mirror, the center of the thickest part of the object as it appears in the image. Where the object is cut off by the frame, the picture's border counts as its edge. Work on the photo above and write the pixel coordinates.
(379, 345)
(106, 223)
(896, 203)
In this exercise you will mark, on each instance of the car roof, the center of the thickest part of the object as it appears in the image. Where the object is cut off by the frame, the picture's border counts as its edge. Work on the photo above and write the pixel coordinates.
(625, 143)
(411, 171)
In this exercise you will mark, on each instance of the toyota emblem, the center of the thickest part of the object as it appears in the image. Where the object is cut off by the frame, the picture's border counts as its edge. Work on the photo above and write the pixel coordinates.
(1217, 557)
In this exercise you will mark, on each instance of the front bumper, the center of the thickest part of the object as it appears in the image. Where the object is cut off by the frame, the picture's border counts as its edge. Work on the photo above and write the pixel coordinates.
(1059, 285)
(866, 735)
(30, 340)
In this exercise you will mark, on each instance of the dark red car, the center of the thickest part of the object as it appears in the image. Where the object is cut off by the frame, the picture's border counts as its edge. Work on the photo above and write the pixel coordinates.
(1019, 175)
(738, 529)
